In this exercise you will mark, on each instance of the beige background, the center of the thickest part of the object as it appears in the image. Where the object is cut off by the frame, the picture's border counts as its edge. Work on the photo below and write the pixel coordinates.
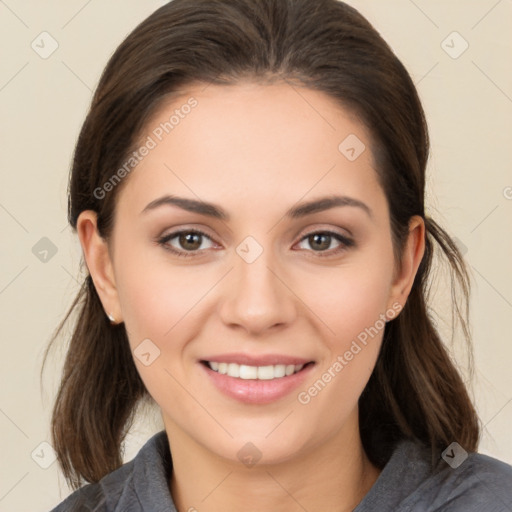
(468, 101)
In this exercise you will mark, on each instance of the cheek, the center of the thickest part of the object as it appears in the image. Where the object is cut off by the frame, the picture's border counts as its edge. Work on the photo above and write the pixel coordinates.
(355, 317)
(161, 303)
(350, 298)
(351, 303)
(156, 295)
(353, 349)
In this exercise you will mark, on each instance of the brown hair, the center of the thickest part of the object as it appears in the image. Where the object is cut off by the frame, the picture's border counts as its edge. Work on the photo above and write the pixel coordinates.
(415, 391)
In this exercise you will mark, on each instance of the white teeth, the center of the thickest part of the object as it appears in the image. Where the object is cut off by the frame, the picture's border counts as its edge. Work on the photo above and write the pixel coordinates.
(279, 371)
(246, 372)
(243, 371)
(233, 370)
(265, 372)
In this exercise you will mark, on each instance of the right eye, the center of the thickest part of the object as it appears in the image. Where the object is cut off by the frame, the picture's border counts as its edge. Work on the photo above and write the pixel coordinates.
(189, 242)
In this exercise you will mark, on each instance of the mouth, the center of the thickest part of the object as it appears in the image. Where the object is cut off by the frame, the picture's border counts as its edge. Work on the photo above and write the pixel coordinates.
(248, 372)
(262, 382)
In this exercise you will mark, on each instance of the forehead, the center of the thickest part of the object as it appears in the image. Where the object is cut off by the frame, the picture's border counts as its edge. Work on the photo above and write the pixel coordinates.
(273, 143)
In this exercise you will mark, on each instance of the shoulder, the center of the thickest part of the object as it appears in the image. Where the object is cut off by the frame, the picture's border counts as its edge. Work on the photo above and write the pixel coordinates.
(455, 482)
(102, 496)
(127, 487)
(479, 483)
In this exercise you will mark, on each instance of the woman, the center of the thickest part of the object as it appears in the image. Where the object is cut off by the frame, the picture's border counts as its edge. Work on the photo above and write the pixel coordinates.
(248, 191)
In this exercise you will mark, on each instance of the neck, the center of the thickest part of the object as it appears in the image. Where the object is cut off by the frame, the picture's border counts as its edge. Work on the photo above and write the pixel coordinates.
(333, 476)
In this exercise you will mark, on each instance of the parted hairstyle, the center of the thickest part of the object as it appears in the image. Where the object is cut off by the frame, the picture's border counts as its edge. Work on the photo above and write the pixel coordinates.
(415, 391)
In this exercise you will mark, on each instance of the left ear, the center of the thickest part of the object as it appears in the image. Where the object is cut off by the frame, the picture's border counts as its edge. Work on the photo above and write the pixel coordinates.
(412, 255)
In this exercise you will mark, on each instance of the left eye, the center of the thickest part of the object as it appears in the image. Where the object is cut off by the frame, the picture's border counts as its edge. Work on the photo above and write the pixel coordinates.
(322, 240)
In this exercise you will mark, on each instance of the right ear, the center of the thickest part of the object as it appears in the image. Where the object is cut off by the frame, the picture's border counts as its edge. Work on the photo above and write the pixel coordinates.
(99, 263)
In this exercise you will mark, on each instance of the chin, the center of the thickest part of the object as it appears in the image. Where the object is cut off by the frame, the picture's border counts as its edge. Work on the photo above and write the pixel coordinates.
(258, 448)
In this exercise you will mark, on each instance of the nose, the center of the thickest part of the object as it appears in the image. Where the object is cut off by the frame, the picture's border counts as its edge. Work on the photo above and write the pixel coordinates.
(258, 296)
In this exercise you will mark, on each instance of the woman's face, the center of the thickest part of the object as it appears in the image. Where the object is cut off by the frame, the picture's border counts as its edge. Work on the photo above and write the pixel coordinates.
(262, 287)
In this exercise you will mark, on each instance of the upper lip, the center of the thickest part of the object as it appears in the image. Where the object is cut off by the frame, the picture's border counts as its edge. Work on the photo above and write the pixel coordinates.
(252, 360)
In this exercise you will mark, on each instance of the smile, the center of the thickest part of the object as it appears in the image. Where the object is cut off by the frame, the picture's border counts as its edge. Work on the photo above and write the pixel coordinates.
(257, 385)
(242, 371)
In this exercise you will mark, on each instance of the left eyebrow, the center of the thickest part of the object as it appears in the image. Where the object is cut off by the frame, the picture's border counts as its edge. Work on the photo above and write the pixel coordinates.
(326, 203)
(296, 212)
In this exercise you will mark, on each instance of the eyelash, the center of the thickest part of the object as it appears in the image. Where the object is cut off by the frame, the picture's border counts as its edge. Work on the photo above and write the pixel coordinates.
(345, 242)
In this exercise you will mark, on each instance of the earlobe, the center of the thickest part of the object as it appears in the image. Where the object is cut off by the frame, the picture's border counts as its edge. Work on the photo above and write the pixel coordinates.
(99, 263)
(412, 255)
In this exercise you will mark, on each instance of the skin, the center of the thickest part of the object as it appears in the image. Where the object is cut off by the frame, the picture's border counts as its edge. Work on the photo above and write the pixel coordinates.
(255, 150)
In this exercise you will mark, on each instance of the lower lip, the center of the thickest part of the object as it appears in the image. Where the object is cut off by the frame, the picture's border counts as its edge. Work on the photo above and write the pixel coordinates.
(255, 391)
